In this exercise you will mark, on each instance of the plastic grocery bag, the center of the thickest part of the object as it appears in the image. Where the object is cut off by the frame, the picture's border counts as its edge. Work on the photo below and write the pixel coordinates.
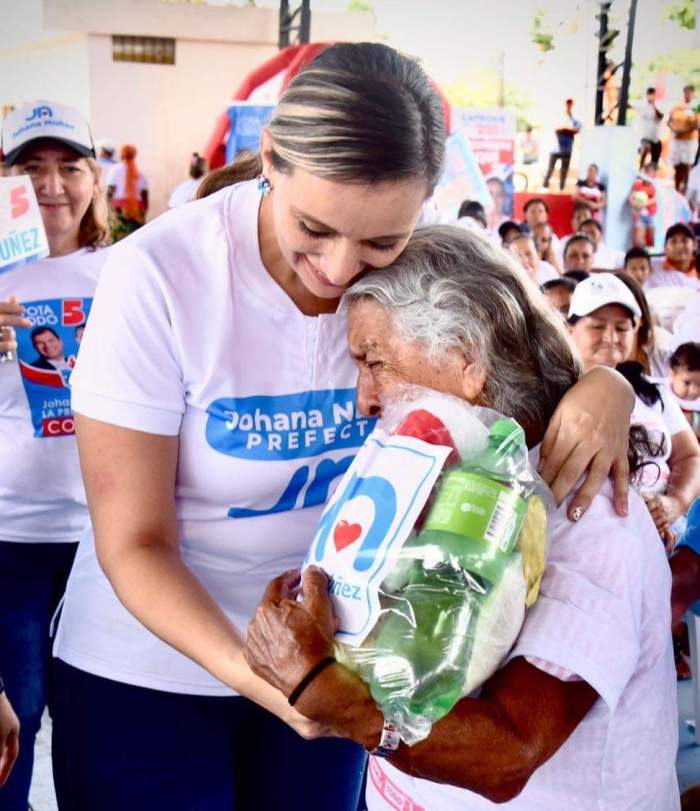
(434, 543)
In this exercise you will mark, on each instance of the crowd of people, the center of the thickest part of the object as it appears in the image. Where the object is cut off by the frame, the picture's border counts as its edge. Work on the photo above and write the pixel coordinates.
(185, 671)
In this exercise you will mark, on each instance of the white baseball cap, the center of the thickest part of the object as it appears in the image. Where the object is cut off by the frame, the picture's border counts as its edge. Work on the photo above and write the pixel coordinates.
(599, 290)
(45, 119)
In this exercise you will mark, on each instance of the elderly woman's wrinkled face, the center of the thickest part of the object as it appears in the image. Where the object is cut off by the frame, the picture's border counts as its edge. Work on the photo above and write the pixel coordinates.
(386, 361)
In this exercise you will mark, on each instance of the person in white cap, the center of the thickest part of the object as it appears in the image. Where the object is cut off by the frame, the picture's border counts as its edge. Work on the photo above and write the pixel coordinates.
(603, 319)
(105, 157)
(42, 501)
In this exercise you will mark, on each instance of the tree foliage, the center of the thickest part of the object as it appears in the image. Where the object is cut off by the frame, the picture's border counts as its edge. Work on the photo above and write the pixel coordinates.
(542, 39)
(683, 13)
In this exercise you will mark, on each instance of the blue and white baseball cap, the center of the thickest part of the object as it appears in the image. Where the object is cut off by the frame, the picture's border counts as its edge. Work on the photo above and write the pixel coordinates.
(45, 119)
(599, 290)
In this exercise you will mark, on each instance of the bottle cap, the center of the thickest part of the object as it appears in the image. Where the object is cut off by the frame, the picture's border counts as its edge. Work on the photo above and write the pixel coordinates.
(506, 431)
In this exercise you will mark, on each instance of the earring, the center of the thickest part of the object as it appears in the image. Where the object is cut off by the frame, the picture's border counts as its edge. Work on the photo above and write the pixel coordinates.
(264, 186)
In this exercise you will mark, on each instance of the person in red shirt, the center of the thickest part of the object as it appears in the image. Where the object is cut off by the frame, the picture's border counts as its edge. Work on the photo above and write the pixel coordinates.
(642, 201)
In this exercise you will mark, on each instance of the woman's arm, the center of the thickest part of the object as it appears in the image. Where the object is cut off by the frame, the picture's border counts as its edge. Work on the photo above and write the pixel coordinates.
(589, 434)
(683, 484)
(144, 200)
(130, 483)
(491, 745)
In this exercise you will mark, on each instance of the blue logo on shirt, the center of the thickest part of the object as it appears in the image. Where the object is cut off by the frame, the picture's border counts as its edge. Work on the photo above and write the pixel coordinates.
(288, 426)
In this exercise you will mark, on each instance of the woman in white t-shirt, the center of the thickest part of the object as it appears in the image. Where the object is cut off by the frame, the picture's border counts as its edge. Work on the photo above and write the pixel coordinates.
(217, 407)
(585, 700)
(602, 318)
(43, 309)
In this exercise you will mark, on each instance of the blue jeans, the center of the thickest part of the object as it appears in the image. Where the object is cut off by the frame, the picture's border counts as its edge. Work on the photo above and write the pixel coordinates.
(32, 581)
(122, 748)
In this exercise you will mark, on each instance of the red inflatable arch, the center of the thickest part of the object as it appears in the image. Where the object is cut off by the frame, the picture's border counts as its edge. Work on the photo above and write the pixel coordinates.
(290, 60)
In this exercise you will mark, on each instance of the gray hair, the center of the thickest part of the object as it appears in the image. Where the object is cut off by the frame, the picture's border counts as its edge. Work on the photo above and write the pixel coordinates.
(452, 289)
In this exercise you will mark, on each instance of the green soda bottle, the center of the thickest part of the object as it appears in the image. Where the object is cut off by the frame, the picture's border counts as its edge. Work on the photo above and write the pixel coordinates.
(460, 554)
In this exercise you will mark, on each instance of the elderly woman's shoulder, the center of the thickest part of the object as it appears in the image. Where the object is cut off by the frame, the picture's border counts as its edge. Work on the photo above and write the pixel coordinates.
(602, 535)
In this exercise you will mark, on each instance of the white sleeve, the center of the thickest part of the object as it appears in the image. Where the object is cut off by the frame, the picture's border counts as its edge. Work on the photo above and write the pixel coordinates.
(129, 372)
(672, 413)
(586, 618)
(143, 182)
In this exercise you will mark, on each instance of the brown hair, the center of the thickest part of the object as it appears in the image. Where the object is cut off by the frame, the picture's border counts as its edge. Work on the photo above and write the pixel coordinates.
(246, 166)
(645, 333)
(95, 229)
(358, 112)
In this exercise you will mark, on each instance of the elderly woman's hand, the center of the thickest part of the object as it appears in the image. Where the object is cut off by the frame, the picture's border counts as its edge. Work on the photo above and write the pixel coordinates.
(589, 433)
(286, 637)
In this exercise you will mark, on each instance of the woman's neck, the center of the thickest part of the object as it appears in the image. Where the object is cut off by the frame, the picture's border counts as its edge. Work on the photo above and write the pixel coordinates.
(280, 270)
(63, 244)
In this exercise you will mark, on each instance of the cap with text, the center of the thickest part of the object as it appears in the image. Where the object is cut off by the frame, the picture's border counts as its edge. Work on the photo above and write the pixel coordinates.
(600, 290)
(45, 119)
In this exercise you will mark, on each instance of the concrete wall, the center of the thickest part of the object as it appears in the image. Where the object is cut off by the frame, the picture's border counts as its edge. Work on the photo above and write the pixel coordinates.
(167, 111)
(38, 62)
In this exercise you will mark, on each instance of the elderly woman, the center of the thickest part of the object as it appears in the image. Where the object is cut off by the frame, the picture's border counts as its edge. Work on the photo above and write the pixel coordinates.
(560, 724)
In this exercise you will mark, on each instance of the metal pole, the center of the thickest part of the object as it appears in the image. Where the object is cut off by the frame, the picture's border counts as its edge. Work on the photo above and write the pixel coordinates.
(625, 87)
(602, 61)
(283, 37)
(305, 25)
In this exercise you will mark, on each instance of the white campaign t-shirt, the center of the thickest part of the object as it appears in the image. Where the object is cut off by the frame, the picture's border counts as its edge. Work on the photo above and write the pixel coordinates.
(117, 178)
(604, 614)
(663, 421)
(190, 335)
(41, 490)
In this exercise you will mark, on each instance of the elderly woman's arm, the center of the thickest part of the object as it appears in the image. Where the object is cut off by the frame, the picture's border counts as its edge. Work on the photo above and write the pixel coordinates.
(590, 432)
(490, 745)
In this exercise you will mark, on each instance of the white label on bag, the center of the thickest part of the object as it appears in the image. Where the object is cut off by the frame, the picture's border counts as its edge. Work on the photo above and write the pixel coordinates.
(22, 235)
(368, 520)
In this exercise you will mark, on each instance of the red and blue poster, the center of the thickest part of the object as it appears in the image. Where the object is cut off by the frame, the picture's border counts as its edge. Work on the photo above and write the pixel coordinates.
(22, 235)
(46, 354)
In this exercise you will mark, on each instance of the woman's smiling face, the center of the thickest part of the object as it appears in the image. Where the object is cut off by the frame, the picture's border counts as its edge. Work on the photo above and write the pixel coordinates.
(329, 232)
(605, 337)
(64, 184)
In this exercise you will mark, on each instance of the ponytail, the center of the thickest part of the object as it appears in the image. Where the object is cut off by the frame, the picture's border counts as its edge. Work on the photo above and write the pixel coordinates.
(246, 166)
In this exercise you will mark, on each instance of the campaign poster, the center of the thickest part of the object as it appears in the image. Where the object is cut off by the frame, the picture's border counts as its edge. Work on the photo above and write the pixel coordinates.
(22, 235)
(247, 123)
(491, 136)
(46, 355)
(461, 179)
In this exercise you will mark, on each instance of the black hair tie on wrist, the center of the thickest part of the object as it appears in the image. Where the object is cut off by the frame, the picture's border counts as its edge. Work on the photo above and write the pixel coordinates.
(310, 676)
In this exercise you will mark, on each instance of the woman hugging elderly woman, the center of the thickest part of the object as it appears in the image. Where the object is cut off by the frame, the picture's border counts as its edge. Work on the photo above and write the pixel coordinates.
(582, 712)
